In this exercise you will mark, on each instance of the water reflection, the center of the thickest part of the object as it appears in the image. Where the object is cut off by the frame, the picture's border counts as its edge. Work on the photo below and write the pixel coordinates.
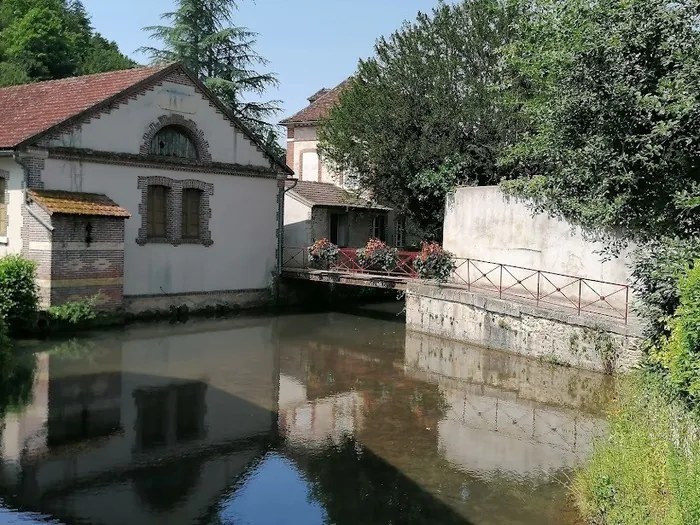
(328, 418)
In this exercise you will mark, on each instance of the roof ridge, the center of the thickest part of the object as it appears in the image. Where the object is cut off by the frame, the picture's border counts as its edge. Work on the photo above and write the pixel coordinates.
(331, 92)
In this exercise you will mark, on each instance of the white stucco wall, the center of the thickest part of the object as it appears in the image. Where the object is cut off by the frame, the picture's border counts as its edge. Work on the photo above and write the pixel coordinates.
(297, 223)
(481, 223)
(12, 243)
(243, 228)
(122, 130)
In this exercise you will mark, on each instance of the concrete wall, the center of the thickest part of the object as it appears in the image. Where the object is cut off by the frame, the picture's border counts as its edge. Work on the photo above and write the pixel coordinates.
(552, 335)
(298, 229)
(243, 229)
(14, 175)
(481, 223)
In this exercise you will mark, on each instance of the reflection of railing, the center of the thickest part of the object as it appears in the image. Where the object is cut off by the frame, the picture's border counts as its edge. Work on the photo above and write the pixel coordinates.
(581, 294)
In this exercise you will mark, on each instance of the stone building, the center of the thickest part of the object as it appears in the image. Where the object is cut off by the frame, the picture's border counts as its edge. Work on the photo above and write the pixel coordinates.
(324, 203)
(137, 186)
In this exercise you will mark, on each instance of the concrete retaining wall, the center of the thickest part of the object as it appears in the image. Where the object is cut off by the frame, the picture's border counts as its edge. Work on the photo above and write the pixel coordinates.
(557, 336)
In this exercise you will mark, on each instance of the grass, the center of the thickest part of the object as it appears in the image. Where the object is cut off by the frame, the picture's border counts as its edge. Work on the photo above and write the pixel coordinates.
(647, 471)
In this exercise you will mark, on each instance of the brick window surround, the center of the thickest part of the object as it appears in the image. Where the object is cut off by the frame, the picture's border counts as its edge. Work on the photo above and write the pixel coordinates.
(4, 201)
(173, 228)
(188, 126)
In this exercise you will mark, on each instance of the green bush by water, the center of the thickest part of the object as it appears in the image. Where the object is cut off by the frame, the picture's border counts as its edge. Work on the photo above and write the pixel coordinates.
(75, 312)
(648, 470)
(18, 293)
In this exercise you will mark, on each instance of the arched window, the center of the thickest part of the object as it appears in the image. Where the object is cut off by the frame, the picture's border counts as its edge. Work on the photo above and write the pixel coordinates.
(172, 141)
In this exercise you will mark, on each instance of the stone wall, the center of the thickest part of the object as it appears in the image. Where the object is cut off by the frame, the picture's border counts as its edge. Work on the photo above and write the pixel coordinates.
(556, 336)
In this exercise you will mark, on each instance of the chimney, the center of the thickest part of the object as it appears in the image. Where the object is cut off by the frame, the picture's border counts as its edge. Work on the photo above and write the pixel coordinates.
(313, 98)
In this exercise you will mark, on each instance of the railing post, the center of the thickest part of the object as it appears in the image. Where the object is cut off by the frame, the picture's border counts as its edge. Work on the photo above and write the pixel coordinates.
(538, 286)
(469, 280)
(627, 302)
(500, 283)
(580, 282)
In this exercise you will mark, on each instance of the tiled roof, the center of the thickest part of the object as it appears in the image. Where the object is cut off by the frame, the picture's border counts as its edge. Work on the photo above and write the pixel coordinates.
(76, 203)
(30, 109)
(327, 194)
(319, 108)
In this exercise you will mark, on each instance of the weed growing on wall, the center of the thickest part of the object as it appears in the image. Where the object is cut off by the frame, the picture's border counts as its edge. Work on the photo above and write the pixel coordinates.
(75, 312)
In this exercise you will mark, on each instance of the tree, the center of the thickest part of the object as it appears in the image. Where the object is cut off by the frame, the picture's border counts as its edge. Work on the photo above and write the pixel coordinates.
(49, 39)
(609, 92)
(424, 97)
(201, 34)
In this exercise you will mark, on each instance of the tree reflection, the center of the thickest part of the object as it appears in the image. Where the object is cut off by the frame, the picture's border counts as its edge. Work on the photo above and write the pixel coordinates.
(356, 486)
(17, 373)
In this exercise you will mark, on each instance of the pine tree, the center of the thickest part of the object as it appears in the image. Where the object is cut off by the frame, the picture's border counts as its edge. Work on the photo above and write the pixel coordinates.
(202, 35)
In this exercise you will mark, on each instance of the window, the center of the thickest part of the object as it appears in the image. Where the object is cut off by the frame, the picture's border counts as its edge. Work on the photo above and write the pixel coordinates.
(3, 208)
(379, 228)
(157, 212)
(172, 141)
(191, 199)
(340, 230)
(400, 233)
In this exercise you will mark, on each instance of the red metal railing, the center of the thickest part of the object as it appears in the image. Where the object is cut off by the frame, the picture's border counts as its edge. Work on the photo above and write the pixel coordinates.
(580, 294)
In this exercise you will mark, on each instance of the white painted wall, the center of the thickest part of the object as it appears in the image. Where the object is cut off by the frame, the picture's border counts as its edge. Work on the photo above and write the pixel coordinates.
(243, 227)
(304, 142)
(13, 242)
(481, 223)
(122, 130)
(297, 223)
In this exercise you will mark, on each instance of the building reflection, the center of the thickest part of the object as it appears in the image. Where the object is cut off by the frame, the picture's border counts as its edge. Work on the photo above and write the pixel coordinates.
(150, 426)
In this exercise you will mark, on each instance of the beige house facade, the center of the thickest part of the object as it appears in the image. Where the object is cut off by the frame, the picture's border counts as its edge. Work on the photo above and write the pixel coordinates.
(322, 203)
(139, 187)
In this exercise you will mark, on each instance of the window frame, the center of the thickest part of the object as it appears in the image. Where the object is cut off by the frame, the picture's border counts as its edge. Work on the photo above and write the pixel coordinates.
(4, 198)
(190, 209)
(379, 232)
(184, 136)
(150, 212)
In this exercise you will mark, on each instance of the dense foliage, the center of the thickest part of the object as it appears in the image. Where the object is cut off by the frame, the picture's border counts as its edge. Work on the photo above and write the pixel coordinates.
(609, 93)
(18, 293)
(75, 312)
(419, 117)
(202, 34)
(49, 39)
(377, 256)
(647, 471)
(433, 262)
(322, 254)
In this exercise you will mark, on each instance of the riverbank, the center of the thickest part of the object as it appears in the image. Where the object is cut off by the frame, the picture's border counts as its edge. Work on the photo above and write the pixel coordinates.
(647, 471)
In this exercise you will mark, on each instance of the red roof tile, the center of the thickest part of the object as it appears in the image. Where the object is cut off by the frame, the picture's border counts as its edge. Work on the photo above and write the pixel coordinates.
(28, 110)
(319, 108)
(77, 203)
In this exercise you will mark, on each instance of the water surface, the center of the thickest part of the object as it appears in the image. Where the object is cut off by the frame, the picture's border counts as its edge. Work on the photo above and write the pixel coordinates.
(309, 419)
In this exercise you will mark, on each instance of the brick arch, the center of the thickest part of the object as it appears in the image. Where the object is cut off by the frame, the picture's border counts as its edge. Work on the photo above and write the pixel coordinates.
(196, 134)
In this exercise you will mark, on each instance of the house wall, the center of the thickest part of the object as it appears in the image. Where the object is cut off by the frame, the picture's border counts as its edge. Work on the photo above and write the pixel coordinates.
(297, 223)
(243, 225)
(305, 140)
(481, 223)
(123, 130)
(14, 175)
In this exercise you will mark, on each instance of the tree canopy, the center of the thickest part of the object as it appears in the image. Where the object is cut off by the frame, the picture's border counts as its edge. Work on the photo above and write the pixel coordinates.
(50, 39)
(609, 93)
(202, 35)
(420, 116)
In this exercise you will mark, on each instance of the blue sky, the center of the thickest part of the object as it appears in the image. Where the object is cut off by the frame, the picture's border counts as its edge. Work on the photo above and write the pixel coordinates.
(310, 43)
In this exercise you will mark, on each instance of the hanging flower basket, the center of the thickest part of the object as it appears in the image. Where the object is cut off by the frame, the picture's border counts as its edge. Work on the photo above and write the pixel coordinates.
(434, 263)
(377, 257)
(323, 254)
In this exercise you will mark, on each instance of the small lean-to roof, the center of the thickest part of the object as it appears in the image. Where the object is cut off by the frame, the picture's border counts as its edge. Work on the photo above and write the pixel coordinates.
(77, 203)
(319, 108)
(329, 195)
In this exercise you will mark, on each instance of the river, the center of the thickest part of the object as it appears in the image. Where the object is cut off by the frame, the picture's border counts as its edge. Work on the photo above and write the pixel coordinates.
(332, 418)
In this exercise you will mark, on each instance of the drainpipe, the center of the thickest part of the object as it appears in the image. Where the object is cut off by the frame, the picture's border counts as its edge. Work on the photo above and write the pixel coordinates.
(25, 196)
(280, 221)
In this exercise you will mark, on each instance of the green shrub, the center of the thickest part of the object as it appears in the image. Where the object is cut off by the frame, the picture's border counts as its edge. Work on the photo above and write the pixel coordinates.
(75, 312)
(18, 292)
(378, 257)
(322, 254)
(434, 263)
(678, 354)
(647, 471)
